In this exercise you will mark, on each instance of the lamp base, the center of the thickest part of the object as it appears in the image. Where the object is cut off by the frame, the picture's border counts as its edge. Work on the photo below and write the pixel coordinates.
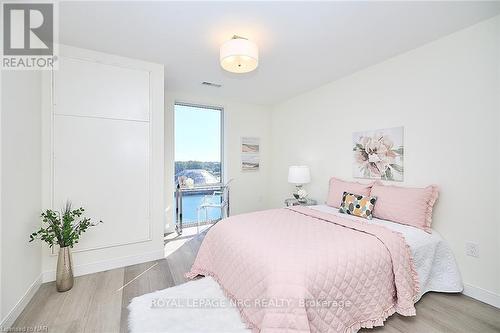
(297, 196)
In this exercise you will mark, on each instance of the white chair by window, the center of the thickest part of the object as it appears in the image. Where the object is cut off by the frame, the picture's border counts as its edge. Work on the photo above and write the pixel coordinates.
(217, 200)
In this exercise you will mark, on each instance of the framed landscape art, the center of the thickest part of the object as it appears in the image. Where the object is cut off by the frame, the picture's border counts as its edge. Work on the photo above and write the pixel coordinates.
(250, 154)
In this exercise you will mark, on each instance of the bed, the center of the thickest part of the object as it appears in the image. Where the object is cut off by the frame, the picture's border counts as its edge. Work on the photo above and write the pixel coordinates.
(312, 269)
(434, 261)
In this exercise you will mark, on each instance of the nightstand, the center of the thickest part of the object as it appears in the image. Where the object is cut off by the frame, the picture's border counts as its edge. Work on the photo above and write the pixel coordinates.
(294, 202)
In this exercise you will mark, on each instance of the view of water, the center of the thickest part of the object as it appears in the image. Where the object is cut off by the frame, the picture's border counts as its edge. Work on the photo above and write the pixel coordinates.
(190, 203)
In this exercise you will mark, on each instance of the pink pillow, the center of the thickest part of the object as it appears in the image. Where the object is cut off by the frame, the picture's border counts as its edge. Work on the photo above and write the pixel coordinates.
(339, 186)
(405, 205)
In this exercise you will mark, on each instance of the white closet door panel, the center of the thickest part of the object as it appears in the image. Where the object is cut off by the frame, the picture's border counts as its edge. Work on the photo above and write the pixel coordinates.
(85, 88)
(103, 165)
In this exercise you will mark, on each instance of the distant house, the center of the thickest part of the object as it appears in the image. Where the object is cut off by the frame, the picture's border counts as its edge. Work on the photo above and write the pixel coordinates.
(199, 176)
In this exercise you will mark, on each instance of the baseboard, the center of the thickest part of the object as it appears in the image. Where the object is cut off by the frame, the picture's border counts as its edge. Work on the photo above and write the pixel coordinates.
(482, 295)
(105, 265)
(11, 317)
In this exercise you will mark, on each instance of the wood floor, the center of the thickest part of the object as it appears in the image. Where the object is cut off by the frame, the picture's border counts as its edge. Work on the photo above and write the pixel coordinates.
(98, 302)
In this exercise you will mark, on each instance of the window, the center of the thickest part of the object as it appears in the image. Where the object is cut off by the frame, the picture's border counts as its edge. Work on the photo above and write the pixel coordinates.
(198, 157)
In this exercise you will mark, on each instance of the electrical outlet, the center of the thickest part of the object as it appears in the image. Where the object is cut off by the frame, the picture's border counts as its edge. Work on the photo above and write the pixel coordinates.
(472, 249)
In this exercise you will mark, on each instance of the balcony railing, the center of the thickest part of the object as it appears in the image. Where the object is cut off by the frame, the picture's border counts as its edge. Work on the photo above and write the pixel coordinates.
(188, 202)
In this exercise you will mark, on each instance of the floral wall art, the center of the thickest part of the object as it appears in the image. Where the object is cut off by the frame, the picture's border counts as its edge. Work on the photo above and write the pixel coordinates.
(378, 154)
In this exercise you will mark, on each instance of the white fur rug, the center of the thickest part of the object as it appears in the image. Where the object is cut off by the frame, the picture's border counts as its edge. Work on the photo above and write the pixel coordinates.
(196, 306)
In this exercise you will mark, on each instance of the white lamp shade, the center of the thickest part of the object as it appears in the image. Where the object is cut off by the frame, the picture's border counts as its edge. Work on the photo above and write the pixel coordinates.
(299, 174)
(239, 55)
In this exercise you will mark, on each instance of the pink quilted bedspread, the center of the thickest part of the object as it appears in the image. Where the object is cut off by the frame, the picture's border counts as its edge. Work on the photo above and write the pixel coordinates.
(301, 270)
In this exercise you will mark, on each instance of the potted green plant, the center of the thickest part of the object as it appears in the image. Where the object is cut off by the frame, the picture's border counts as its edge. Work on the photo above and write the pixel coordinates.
(63, 229)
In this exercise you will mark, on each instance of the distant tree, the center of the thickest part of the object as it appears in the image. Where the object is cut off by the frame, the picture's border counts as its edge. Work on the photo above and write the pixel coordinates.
(212, 167)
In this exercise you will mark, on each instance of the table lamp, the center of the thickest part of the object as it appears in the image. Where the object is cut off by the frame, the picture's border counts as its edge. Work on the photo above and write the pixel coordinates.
(299, 175)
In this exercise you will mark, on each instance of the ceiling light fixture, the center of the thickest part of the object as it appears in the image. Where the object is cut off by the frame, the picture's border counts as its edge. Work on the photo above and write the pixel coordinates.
(239, 55)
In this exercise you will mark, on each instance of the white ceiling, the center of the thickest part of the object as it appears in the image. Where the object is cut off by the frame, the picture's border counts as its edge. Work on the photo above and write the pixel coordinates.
(302, 45)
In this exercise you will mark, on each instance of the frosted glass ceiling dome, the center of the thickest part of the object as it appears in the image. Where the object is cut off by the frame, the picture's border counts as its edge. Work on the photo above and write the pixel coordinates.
(239, 55)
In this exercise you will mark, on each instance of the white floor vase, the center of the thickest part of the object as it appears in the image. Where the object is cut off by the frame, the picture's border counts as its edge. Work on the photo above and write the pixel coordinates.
(196, 306)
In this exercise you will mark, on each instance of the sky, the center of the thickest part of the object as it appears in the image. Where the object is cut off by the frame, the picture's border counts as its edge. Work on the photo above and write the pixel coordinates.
(197, 134)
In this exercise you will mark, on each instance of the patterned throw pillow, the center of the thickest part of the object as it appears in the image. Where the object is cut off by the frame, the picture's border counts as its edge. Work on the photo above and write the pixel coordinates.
(357, 205)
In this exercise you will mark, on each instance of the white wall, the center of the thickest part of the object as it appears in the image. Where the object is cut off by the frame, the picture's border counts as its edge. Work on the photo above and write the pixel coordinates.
(1, 221)
(447, 96)
(20, 191)
(103, 149)
(249, 189)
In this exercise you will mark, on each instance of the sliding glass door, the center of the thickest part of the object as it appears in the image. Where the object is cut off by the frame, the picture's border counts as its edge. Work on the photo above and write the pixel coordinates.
(198, 160)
